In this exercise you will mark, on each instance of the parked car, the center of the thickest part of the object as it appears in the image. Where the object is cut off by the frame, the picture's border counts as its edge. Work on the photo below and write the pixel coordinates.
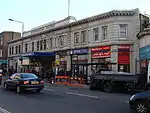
(24, 81)
(140, 102)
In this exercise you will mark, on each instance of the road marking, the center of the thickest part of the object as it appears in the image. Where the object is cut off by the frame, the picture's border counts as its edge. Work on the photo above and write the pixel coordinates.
(48, 89)
(83, 95)
(127, 102)
(4, 110)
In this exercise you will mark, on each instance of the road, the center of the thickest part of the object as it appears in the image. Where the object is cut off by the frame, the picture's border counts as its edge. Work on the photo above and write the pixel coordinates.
(59, 99)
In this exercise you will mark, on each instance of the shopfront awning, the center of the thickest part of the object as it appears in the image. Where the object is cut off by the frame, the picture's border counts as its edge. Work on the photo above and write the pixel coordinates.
(3, 62)
(88, 64)
(38, 54)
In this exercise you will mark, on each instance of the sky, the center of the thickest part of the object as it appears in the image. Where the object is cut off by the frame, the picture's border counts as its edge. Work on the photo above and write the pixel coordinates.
(37, 12)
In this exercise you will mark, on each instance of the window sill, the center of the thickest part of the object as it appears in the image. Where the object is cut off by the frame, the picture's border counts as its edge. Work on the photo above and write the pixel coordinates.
(105, 40)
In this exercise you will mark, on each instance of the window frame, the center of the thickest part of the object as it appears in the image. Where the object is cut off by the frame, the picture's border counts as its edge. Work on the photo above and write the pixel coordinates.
(76, 37)
(104, 32)
(83, 36)
(123, 31)
(38, 45)
(96, 33)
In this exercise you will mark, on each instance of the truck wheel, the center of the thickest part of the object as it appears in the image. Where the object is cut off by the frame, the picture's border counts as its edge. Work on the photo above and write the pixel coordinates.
(107, 87)
(93, 85)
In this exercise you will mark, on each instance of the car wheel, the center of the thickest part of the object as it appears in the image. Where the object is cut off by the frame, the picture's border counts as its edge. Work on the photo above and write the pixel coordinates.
(141, 107)
(18, 90)
(5, 86)
(38, 91)
(107, 87)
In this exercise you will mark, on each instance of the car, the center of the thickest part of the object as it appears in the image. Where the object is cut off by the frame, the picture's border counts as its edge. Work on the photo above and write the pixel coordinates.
(24, 82)
(140, 102)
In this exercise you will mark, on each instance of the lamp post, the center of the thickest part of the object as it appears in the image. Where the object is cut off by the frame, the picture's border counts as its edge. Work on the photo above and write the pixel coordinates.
(21, 58)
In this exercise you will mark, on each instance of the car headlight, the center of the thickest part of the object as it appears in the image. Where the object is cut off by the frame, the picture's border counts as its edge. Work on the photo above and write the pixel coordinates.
(132, 97)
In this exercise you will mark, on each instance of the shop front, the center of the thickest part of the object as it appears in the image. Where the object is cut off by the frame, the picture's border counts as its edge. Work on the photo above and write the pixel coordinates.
(41, 62)
(61, 60)
(144, 58)
(79, 56)
(100, 54)
(124, 58)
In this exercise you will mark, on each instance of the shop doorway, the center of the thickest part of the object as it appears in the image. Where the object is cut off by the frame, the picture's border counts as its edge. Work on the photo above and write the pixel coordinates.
(80, 71)
(124, 68)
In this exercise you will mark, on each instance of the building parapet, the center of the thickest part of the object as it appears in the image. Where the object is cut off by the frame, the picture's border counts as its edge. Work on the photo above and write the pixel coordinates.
(145, 32)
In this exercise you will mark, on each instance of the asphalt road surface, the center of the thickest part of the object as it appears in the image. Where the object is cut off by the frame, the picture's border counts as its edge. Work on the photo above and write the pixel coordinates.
(54, 99)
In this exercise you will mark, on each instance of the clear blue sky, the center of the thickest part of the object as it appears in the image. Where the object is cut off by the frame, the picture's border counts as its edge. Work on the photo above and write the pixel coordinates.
(38, 12)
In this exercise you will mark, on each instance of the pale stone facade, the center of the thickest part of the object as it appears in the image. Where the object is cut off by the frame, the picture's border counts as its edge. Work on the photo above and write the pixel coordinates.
(60, 36)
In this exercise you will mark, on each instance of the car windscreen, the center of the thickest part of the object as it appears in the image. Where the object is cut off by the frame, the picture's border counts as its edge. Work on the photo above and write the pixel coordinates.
(24, 76)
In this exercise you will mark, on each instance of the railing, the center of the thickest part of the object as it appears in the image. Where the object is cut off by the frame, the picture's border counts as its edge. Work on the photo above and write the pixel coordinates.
(70, 81)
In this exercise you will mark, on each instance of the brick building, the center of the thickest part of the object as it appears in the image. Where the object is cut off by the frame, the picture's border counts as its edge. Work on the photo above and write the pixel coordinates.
(4, 38)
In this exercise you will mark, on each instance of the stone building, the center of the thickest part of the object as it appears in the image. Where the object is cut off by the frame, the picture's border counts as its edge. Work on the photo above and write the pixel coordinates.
(108, 37)
(144, 49)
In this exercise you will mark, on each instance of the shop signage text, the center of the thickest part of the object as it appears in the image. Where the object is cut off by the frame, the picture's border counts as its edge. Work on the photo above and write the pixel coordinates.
(101, 52)
(100, 48)
(80, 51)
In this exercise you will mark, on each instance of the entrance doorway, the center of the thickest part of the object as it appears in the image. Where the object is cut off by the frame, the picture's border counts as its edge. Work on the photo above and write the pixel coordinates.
(124, 68)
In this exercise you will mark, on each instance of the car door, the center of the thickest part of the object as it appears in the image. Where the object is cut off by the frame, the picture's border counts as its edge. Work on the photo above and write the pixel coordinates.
(15, 80)
(10, 81)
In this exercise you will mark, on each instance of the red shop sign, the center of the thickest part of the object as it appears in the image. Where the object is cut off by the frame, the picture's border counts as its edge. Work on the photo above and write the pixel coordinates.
(101, 55)
(123, 57)
(101, 48)
(124, 47)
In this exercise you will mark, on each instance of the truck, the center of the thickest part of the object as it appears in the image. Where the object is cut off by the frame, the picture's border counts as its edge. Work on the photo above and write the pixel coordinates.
(108, 80)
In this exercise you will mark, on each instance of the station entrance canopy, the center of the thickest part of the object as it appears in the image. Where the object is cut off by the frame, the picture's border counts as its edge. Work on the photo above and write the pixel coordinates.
(38, 54)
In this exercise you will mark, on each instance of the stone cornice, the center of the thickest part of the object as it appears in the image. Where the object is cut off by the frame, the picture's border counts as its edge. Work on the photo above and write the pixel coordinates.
(143, 33)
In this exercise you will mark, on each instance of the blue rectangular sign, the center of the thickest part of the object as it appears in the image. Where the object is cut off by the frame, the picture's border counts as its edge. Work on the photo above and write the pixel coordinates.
(144, 53)
(80, 51)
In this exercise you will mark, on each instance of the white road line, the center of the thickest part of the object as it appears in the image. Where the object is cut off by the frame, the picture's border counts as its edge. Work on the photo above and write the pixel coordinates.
(90, 96)
(4, 110)
(127, 102)
(48, 89)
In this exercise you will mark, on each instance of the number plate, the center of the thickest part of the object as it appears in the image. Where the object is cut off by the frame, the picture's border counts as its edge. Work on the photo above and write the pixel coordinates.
(34, 82)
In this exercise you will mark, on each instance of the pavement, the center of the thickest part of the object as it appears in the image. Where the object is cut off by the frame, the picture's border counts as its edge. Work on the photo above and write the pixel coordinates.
(62, 99)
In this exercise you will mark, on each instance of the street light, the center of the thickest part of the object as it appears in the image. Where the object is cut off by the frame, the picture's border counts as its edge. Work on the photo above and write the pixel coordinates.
(21, 23)
(21, 37)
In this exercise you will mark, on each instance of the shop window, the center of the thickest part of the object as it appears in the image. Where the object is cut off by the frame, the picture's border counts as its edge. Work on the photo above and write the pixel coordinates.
(124, 68)
(104, 32)
(83, 36)
(123, 30)
(41, 44)
(44, 43)
(32, 46)
(16, 49)
(38, 45)
(76, 38)
(96, 34)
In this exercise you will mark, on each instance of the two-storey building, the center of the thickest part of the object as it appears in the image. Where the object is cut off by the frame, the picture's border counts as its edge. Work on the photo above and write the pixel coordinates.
(107, 37)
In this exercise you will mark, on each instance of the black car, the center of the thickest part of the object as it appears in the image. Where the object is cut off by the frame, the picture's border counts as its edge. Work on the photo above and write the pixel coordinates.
(24, 81)
(140, 102)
